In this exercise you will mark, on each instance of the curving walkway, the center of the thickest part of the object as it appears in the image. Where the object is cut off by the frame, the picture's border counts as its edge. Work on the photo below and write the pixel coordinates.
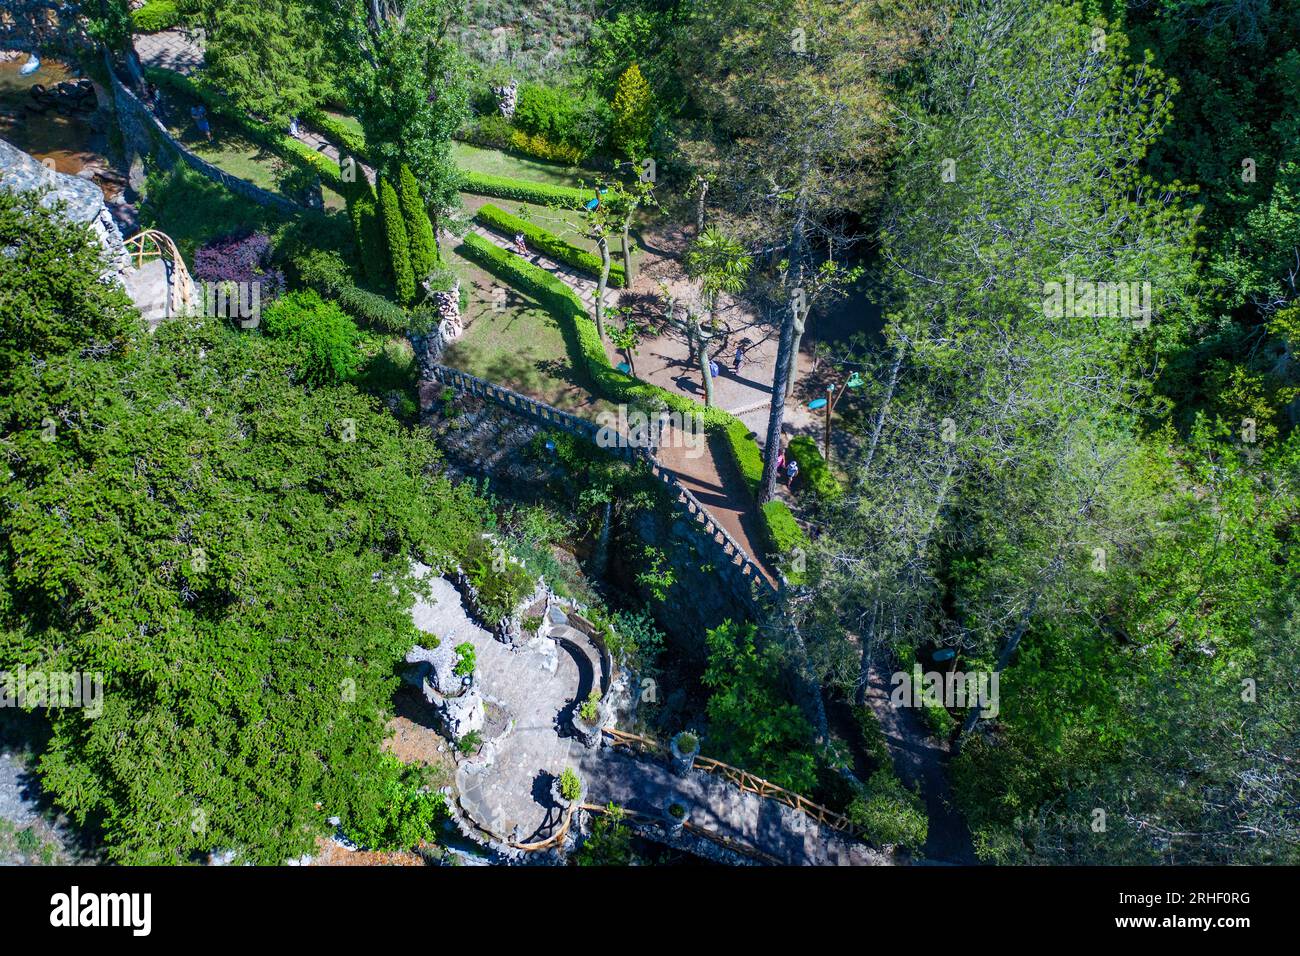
(505, 789)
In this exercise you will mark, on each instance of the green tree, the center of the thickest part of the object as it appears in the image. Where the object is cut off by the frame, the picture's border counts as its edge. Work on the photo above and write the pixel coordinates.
(424, 248)
(634, 113)
(399, 244)
(718, 264)
(752, 724)
(206, 535)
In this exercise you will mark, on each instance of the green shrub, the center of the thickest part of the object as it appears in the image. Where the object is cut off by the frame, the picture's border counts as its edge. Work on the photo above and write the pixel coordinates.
(548, 243)
(887, 813)
(324, 335)
(813, 468)
(419, 229)
(399, 244)
(499, 591)
(372, 309)
(562, 117)
(784, 536)
(492, 131)
(687, 742)
(524, 190)
(465, 660)
(531, 622)
(400, 812)
(368, 234)
(590, 708)
(470, 742)
(155, 16)
(570, 785)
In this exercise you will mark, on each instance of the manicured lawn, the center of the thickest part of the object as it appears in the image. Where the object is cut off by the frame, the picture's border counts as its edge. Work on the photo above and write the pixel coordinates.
(496, 163)
(520, 347)
(568, 224)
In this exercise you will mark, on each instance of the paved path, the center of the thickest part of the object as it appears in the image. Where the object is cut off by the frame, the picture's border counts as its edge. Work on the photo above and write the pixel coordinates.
(506, 789)
(179, 50)
(582, 284)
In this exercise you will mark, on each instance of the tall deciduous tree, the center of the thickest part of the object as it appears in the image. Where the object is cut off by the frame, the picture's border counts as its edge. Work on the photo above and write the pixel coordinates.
(795, 95)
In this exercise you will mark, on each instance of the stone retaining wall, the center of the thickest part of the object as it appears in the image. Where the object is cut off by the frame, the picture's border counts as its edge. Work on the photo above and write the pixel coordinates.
(143, 134)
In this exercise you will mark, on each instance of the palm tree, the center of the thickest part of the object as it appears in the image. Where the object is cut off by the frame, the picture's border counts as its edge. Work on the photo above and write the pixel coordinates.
(719, 264)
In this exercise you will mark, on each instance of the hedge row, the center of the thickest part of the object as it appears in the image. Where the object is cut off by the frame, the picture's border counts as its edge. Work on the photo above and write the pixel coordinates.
(523, 190)
(782, 532)
(155, 16)
(349, 140)
(269, 136)
(813, 468)
(548, 243)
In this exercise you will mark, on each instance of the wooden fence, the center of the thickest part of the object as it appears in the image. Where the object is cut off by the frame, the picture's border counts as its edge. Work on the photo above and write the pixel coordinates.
(744, 780)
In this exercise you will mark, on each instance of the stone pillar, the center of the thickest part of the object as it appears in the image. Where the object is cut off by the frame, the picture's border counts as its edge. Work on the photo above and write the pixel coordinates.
(685, 747)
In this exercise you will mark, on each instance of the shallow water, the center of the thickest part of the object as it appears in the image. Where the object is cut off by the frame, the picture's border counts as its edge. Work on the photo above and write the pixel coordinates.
(72, 142)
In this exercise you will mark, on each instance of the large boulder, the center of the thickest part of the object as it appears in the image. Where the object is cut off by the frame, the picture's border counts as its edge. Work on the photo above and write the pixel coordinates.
(83, 200)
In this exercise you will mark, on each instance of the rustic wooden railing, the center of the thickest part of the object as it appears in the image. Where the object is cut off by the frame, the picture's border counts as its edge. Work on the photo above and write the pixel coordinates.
(650, 820)
(744, 780)
(555, 839)
(150, 243)
(574, 425)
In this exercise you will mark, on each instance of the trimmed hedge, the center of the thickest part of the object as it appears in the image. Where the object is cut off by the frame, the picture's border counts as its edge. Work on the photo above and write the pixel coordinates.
(399, 244)
(587, 353)
(523, 190)
(372, 309)
(813, 468)
(224, 108)
(155, 16)
(783, 534)
(746, 454)
(419, 229)
(548, 243)
(348, 140)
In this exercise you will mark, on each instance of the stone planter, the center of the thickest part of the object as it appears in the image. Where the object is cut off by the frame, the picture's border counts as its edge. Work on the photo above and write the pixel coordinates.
(589, 734)
(558, 797)
(685, 747)
(672, 821)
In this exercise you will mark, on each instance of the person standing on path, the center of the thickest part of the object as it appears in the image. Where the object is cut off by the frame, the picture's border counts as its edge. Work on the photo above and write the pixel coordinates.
(739, 360)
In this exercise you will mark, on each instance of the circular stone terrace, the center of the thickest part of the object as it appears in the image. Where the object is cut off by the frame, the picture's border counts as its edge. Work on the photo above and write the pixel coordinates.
(530, 690)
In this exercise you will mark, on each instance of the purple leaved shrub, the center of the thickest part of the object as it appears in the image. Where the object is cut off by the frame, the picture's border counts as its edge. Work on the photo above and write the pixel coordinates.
(240, 257)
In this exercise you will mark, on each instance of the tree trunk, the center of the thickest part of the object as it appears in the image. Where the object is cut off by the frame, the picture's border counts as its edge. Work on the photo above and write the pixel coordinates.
(699, 206)
(767, 487)
(793, 375)
(603, 244)
(627, 254)
(701, 344)
(884, 411)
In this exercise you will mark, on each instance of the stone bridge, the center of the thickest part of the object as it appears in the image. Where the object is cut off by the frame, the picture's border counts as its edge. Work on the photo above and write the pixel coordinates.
(530, 691)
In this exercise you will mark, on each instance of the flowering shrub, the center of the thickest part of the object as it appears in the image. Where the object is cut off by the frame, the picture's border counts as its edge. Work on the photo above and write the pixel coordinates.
(240, 257)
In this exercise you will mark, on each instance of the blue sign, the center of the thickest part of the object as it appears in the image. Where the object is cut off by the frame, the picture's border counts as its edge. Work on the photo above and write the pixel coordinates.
(817, 403)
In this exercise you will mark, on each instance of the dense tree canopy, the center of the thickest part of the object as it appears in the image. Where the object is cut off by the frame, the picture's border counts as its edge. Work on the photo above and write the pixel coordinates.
(227, 545)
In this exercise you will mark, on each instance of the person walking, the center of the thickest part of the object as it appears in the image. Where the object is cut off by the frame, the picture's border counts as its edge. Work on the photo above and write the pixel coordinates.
(739, 360)
(780, 461)
(792, 469)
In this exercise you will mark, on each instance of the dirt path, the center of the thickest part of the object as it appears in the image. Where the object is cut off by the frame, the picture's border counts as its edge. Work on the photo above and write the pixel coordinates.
(921, 762)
